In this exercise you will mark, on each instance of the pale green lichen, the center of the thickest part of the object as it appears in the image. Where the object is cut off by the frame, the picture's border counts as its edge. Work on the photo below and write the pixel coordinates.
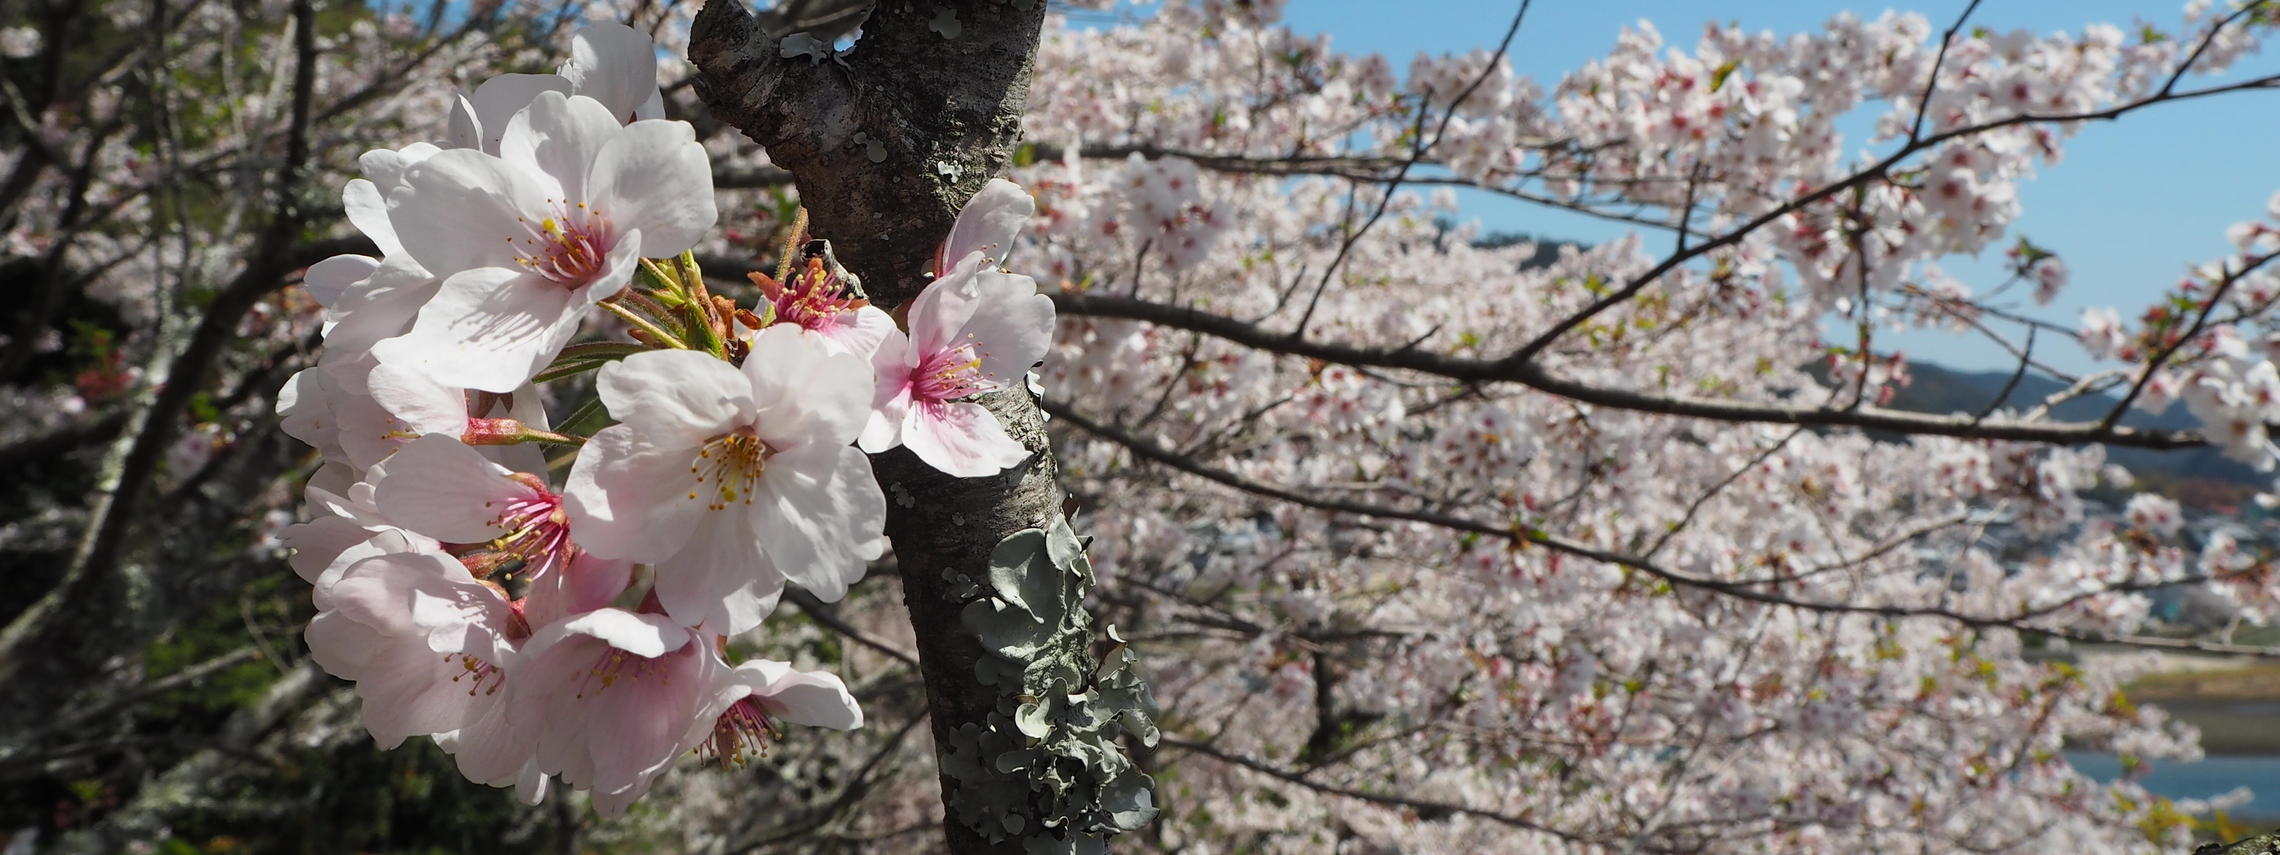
(1062, 782)
(945, 22)
(874, 150)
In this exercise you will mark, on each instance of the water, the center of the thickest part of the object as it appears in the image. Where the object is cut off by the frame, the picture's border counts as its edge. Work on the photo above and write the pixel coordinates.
(2207, 778)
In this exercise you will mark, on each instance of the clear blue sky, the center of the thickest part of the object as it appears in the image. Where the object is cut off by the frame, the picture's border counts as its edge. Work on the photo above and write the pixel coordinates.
(2134, 203)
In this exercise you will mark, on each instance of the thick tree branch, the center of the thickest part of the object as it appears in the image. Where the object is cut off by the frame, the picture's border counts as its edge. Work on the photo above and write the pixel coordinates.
(1747, 591)
(1537, 377)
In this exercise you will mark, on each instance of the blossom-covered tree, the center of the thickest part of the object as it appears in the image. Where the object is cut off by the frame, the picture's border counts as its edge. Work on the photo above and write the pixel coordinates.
(619, 459)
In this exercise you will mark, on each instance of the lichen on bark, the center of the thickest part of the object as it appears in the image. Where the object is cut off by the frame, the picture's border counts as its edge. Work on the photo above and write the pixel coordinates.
(942, 116)
(1046, 767)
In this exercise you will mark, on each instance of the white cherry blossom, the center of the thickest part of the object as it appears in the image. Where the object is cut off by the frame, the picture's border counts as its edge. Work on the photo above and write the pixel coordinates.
(733, 481)
(529, 241)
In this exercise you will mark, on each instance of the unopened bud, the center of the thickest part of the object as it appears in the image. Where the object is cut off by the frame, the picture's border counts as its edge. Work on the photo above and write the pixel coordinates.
(510, 432)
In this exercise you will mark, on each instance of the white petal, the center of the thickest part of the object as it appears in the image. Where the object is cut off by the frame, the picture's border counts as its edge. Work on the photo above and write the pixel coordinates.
(627, 495)
(961, 439)
(501, 97)
(819, 513)
(463, 130)
(679, 398)
(379, 307)
(643, 635)
(616, 65)
(941, 311)
(654, 176)
(530, 784)
(812, 698)
(989, 222)
(859, 332)
(329, 280)
(490, 328)
(367, 209)
(385, 167)
(890, 400)
(559, 136)
(443, 489)
(318, 542)
(719, 579)
(1011, 327)
(803, 391)
(421, 404)
(654, 108)
(461, 210)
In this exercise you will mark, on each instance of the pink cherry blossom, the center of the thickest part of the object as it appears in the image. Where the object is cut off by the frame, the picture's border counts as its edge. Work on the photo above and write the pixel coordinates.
(757, 694)
(608, 697)
(444, 489)
(818, 300)
(974, 331)
(429, 648)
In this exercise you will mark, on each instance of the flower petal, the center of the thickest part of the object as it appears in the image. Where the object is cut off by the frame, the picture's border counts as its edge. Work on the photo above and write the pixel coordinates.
(615, 65)
(805, 391)
(559, 136)
(819, 515)
(988, 223)
(719, 578)
(813, 698)
(329, 280)
(1012, 325)
(381, 306)
(500, 98)
(443, 489)
(961, 439)
(890, 398)
(941, 311)
(464, 209)
(421, 404)
(654, 176)
(490, 328)
(645, 635)
(678, 398)
(628, 495)
(367, 209)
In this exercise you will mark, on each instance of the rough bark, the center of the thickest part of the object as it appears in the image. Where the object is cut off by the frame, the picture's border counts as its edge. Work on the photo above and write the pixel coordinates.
(887, 141)
(2262, 844)
(885, 147)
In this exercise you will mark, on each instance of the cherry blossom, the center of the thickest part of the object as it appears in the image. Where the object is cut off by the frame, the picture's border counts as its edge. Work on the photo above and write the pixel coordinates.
(430, 648)
(529, 241)
(611, 694)
(733, 481)
(760, 692)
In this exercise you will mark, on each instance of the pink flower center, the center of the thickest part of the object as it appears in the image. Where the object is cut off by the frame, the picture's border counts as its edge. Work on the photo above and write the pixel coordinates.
(731, 464)
(949, 375)
(569, 248)
(814, 297)
(538, 530)
(743, 731)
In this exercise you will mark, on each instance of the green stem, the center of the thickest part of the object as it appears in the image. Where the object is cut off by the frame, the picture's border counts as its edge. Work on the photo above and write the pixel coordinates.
(665, 338)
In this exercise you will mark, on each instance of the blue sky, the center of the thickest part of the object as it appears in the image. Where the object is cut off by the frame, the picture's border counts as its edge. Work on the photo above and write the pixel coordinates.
(2134, 203)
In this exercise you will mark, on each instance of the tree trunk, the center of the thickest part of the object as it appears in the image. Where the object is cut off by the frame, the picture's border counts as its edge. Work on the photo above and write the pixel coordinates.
(886, 144)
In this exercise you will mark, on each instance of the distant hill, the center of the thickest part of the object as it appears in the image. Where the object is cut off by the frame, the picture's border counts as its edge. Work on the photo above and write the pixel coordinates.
(2203, 475)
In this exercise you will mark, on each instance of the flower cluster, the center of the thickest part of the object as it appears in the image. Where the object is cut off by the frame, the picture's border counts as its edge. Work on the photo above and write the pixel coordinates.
(1346, 516)
(2211, 344)
(578, 628)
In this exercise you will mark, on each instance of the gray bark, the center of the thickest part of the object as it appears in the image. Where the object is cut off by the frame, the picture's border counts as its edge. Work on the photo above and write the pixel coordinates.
(886, 143)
